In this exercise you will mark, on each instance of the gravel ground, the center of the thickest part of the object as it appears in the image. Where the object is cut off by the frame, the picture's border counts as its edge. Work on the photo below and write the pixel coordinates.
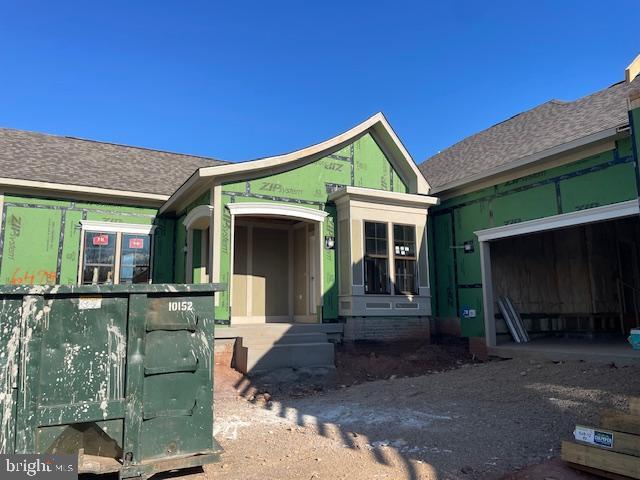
(478, 421)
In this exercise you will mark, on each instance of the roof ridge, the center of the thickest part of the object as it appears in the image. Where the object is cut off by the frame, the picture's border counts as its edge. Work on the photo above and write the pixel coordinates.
(473, 135)
(597, 92)
(148, 149)
(552, 101)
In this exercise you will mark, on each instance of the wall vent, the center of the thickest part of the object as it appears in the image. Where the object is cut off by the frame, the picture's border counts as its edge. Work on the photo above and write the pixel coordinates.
(384, 305)
(407, 305)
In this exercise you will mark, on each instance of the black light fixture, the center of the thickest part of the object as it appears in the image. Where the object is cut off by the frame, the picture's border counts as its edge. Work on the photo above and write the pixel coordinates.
(329, 242)
(468, 247)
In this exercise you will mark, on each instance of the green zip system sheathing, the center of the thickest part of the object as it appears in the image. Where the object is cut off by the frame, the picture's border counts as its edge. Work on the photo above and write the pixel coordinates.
(361, 164)
(40, 238)
(180, 258)
(601, 179)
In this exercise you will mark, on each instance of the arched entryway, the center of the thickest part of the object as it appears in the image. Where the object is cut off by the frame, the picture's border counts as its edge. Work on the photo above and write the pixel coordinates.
(276, 264)
(198, 255)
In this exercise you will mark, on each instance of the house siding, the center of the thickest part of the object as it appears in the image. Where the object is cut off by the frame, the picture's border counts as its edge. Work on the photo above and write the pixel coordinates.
(603, 179)
(40, 238)
(361, 163)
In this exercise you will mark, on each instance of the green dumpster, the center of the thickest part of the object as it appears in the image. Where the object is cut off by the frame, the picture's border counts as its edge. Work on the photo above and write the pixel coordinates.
(120, 374)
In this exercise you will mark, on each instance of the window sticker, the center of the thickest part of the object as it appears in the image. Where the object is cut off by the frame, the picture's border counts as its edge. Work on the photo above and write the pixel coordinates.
(136, 243)
(100, 239)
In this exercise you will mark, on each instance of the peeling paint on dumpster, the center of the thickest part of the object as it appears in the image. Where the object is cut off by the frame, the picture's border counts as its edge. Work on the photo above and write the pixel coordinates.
(118, 368)
(8, 372)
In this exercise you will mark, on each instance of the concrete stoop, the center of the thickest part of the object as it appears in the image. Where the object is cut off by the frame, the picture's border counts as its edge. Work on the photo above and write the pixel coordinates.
(261, 349)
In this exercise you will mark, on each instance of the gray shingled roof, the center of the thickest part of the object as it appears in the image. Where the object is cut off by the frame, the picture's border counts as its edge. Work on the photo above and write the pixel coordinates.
(56, 159)
(546, 126)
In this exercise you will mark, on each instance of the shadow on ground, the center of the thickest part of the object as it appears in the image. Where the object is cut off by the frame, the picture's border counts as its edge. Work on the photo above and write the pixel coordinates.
(459, 420)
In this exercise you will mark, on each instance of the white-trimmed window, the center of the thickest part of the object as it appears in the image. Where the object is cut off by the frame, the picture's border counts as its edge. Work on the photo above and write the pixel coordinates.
(405, 259)
(115, 253)
(376, 258)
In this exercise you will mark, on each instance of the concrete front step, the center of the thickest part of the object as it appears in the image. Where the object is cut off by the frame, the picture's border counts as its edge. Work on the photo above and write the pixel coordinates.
(270, 332)
(269, 346)
(272, 339)
(242, 330)
(260, 358)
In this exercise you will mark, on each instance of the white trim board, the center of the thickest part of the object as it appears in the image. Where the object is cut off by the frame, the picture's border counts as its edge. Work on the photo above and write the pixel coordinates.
(64, 187)
(113, 227)
(277, 210)
(373, 195)
(564, 220)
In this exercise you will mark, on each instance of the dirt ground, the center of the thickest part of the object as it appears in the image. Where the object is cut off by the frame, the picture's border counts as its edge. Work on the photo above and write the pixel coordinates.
(554, 469)
(494, 420)
(430, 413)
(365, 362)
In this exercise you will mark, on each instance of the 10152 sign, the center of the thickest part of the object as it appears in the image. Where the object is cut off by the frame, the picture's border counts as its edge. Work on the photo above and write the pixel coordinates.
(181, 306)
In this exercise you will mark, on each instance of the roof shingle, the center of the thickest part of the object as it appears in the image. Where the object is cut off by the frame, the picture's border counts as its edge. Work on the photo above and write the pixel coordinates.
(546, 126)
(56, 159)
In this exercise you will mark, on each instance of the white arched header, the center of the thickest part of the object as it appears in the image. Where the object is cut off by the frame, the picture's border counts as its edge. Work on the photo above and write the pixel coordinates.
(277, 210)
(198, 217)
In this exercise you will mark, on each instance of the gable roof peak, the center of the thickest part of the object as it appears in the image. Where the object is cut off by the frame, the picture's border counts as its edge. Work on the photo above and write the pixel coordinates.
(377, 125)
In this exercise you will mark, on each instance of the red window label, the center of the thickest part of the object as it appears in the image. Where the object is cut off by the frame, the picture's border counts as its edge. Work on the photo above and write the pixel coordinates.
(136, 243)
(101, 239)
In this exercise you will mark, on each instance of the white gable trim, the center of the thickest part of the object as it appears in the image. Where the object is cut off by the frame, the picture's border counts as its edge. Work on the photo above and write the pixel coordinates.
(377, 125)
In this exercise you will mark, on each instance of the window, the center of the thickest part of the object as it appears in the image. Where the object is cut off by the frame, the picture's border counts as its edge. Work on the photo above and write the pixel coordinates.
(99, 258)
(404, 253)
(376, 258)
(134, 259)
(115, 253)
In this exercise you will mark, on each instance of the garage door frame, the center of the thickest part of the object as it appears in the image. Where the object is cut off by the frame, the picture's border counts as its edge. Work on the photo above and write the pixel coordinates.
(565, 220)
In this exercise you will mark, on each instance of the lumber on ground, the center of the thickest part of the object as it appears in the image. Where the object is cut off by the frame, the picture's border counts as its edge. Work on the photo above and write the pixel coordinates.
(606, 460)
(620, 421)
(622, 442)
(597, 472)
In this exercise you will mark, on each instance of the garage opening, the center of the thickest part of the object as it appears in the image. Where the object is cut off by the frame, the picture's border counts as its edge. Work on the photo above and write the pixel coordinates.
(576, 289)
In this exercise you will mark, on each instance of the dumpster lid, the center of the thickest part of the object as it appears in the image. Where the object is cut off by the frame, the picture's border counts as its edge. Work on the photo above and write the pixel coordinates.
(107, 289)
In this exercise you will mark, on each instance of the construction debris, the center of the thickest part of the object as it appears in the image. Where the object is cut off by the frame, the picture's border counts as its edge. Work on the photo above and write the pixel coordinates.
(513, 320)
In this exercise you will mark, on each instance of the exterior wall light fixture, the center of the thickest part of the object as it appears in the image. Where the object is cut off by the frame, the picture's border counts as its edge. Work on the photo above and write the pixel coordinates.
(329, 242)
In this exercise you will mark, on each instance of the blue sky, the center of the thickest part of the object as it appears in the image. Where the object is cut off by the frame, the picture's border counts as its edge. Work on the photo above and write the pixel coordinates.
(240, 80)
